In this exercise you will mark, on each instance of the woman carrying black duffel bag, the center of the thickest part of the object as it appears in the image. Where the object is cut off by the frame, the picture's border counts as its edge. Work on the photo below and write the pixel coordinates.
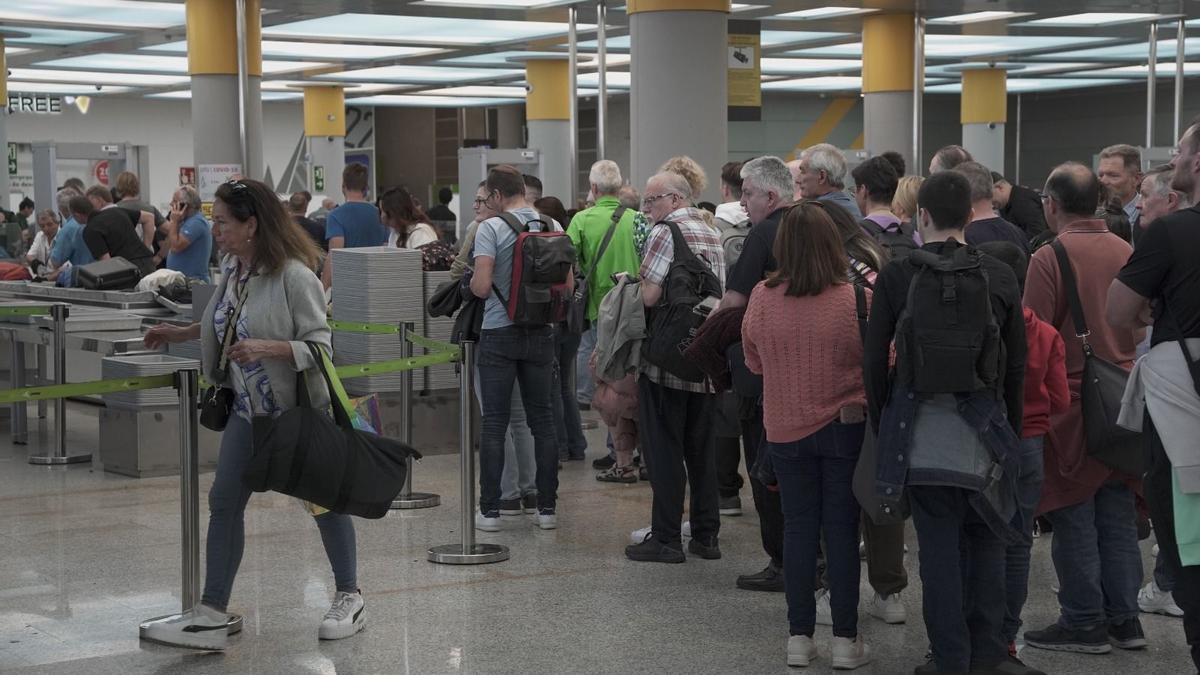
(254, 331)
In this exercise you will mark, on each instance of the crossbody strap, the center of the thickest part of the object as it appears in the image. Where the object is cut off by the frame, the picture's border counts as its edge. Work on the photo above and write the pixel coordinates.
(860, 307)
(1073, 301)
(230, 336)
(616, 220)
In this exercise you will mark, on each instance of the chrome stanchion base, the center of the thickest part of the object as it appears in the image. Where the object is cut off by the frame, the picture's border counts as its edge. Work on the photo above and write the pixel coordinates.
(416, 500)
(234, 626)
(57, 460)
(479, 554)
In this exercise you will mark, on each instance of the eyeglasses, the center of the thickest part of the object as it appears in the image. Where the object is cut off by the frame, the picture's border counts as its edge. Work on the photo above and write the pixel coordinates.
(480, 201)
(647, 201)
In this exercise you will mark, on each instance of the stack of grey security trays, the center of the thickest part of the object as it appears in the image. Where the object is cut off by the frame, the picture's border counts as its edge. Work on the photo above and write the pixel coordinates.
(441, 376)
(380, 285)
(143, 365)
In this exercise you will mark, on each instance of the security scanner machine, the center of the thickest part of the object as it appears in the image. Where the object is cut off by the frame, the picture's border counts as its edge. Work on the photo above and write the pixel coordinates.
(473, 166)
(49, 156)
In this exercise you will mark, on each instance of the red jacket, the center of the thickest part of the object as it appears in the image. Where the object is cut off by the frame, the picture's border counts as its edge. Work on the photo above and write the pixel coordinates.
(1046, 391)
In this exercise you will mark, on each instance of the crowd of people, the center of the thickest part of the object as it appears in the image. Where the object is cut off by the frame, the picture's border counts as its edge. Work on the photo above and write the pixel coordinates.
(911, 348)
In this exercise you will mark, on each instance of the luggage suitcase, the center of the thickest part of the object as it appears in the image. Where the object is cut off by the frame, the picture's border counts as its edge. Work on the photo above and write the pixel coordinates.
(114, 274)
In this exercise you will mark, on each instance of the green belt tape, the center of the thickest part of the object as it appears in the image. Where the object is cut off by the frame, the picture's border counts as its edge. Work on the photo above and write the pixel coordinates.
(24, 311)
(434, 345)
(356, 327)
(85, 389)
(384, 367)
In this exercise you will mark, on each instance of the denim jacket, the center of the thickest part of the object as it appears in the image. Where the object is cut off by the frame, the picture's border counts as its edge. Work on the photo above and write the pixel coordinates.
(993, 490)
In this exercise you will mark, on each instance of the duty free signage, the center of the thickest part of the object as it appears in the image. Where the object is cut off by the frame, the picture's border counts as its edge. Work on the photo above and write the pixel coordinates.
(44, 104)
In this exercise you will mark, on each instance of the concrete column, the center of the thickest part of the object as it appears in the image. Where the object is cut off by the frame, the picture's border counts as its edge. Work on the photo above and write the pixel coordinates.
(678, 100)
(5, 186)
(325, 131)
(213, 64)
(888, 85)
(548, 116)
(984, 112)
(510, 120)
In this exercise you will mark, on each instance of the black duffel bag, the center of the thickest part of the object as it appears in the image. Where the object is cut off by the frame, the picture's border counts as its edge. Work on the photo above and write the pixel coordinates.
(305, 454)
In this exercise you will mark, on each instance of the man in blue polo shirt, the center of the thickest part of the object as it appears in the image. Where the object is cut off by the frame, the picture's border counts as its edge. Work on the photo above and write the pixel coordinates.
(189, 236)
(68, 245)
(354, 224)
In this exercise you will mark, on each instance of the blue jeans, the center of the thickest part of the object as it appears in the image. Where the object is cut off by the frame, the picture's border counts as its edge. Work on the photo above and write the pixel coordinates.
(1029, 492)
(585, 388)
(226, 523)
(1096, 556)
(1164, 574)
(962, 579)
(508, 356)
(567, 422)
(815, 475)
(519, 476)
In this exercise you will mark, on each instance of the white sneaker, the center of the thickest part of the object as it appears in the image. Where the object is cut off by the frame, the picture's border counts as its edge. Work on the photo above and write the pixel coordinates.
(801, 650)
(202, 627)
(824, 613)
(639, 535)
(887, 608)
(686, 530)
(1154, 600)
(1154, 550)
(344, 618)
(850, 654)
(547, 519)
(487, 523)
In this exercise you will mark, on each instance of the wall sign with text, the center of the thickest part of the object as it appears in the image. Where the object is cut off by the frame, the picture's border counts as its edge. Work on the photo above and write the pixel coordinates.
(45, 104)
(744, 72)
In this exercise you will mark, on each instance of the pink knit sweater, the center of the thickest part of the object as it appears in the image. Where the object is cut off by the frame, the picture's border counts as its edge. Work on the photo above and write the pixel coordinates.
(810, 354)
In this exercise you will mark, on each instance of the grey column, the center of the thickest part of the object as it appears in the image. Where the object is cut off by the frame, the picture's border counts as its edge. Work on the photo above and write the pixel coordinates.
(679, 93)
(328, 152)
(5, 186)
(985, 142)
(553, 137)
(215, 122)
(888, 125)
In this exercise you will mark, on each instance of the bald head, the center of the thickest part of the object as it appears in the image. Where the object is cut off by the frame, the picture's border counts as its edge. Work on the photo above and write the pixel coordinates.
(1073, 193)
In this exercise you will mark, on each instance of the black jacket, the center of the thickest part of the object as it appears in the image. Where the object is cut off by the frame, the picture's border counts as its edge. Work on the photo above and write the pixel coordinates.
(1024, 209)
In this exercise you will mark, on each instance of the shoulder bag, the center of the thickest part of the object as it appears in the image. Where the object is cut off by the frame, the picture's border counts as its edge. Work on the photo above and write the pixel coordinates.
(216, 403)
(577, 318)
(305, 454)
(1101, 391)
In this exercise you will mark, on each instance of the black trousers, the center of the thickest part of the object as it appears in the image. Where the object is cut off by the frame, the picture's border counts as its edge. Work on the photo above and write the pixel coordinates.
(1159, 494)
(766, 502)
(677, 447)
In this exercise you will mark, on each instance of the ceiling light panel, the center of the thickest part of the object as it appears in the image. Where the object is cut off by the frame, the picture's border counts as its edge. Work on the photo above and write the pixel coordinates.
(784, 66)
(976, 17)
(824, 13)
(1138, 51)
(477, 91)
(1139, 72)
(389, 28)
(269, 96)
(495, 4)
(160, 64)
(314, 50)
(830, 83)
(120, 14)
(92, 77)
(1026, 69)
(15, 87)
(13, 51)
(419, 74)
(416, 101)
(349, 87)
(1029, 86)
(56, 37)
(768, 38)
(963, 46)
(1089, 19)
(612, 80)
(502, 59)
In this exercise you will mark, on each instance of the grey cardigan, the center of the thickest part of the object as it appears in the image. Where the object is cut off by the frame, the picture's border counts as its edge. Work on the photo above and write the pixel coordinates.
(286, 305)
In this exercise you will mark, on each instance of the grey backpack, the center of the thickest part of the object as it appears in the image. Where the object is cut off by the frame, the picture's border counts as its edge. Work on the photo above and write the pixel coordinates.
(733, 239)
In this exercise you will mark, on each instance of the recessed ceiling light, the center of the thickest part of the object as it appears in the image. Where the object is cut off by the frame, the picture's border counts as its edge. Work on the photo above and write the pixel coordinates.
(976, 17)
(416, 101)
(391, 28)
(825, 13)
(160, 64)
(829, 83)
(314, 50)
(1094, 19)
(15, 87)
(122, 14)
(91, 77)
(783, 66)
(419, 74)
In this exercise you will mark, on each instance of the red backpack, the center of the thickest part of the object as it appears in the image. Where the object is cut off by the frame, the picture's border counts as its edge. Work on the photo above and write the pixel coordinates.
(539, 293)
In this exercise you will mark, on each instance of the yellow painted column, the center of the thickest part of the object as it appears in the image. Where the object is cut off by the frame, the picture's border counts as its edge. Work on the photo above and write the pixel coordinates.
(887, 83)
(984, 112)
(325, 131)
(549, 96)
(548, 122)
(218, 126)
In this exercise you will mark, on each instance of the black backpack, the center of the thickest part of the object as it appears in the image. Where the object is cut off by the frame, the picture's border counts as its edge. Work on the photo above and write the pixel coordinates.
(689, 294)
(541, 266)
(947, 339)
(899, 245)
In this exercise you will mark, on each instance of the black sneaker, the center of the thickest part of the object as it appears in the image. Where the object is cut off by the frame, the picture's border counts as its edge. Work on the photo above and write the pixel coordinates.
(653, 549)
(1011, 665)
(710, 550)
(769, 580)
(605, 462)
(510, 507)
(1059, 639)
(731, 506)
(528, 503)
(643, 474)
(1128, 635)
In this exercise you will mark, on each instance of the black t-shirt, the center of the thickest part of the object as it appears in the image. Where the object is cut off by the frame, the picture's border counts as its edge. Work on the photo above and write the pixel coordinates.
(112, 232)
(757, 259)
(1024, 209)
(314, 229)
(1165, 267)
(441, 212)
(996, 229)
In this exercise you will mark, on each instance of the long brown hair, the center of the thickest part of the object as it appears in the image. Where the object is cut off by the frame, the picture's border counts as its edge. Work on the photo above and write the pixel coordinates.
(280, 237)
(809, 251)
(402, 209)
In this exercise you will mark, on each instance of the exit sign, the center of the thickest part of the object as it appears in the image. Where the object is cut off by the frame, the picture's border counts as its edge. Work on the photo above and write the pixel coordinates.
(319, 178)
(12, 159)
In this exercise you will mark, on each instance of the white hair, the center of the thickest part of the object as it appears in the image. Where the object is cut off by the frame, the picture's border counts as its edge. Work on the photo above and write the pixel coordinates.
(769, 174)
(827, 158)
(673, 182)
(62, 199)
(606, 176)
(1161, 182)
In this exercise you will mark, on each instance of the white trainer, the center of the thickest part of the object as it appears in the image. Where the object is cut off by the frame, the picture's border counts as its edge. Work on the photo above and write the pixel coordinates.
(547, 519)
(639, 535)
(1154, 600)
(801, 651)
(686, 530)
(487, 523)
(849, 654)
(345, 617)
(887, 608)
(824, 612)
(201, 627)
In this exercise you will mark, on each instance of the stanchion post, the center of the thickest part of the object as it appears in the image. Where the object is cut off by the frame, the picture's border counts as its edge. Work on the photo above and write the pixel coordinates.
(407, 499)
(59, 455)
(43, 378)
(20, 410)
(467, 552)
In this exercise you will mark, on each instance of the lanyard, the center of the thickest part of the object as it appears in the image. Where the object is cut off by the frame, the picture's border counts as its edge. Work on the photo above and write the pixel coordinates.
(232, 316)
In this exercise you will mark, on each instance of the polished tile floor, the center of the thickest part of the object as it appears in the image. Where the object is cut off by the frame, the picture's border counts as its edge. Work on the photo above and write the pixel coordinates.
(85, 556)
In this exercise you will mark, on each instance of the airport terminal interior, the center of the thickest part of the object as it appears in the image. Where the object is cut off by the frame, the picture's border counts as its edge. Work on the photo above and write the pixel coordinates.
(177, 109)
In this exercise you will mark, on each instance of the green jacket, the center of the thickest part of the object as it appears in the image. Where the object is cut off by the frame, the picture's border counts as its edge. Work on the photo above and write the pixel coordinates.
(587, 230)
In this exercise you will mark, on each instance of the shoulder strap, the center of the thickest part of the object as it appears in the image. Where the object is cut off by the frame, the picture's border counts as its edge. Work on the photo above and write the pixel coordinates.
(1068, 278)
(612, 228)
(514, 222)
(873, 228)
(339, 401)
(230, 335)
(680, 244)
(860, 306)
